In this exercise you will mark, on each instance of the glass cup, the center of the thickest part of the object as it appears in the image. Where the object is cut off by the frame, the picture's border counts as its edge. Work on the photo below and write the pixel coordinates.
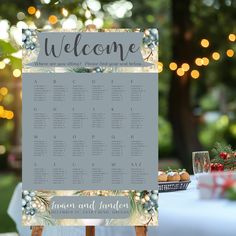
(201, 163)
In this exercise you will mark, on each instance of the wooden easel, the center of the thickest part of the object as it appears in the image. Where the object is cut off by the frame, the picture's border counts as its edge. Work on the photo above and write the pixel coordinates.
(90, 231)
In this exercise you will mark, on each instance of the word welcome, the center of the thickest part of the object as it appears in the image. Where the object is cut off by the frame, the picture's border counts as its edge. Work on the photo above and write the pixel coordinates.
(77, 48)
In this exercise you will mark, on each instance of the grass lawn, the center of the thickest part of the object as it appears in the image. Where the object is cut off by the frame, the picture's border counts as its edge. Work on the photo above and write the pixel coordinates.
(8, 182)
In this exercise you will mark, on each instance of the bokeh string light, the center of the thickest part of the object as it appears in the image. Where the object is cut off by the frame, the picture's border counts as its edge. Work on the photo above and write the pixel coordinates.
(205, 43)
(3, 91)
(216, 56)
(180, 72)
(64, 12)
(52, 19)
(6, 114)
(185, 67)
(173, 66)
(160, 67)
(199, 62)
(205, 61)
(37, 14)
(16, 73)
(31, 10)
(232, 37)
(230, 52)
(195, 74)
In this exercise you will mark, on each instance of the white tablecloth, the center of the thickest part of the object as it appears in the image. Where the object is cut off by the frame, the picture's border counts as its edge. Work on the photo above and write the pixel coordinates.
(180, 214)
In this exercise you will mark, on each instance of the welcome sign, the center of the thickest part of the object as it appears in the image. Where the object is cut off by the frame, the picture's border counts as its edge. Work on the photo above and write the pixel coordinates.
(90, 49)
(90, 125)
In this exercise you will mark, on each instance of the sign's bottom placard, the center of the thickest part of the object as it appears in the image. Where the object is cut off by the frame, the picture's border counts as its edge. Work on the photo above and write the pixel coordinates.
(90, 207)
(97, 207)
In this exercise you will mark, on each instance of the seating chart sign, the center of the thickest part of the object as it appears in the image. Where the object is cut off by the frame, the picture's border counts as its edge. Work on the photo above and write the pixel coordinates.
(90, 128)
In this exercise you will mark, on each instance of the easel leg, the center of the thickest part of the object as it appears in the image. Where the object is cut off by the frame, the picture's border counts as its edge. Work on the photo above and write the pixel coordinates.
(37, 231)
(90, 230)
(141, 230)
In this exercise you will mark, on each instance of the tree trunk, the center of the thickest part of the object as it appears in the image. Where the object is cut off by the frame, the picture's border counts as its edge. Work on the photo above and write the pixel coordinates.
(184, 124)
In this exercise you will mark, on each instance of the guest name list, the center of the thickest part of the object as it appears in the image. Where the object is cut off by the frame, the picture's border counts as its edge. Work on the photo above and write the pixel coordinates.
(90, 131)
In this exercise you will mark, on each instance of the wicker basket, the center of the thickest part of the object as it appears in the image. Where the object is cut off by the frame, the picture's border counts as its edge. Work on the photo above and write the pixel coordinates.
(172, 186)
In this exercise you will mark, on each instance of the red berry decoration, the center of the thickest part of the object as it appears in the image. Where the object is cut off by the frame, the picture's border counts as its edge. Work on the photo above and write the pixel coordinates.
(224, 155)
(217, 167)
(220, 167)
(213, 167)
